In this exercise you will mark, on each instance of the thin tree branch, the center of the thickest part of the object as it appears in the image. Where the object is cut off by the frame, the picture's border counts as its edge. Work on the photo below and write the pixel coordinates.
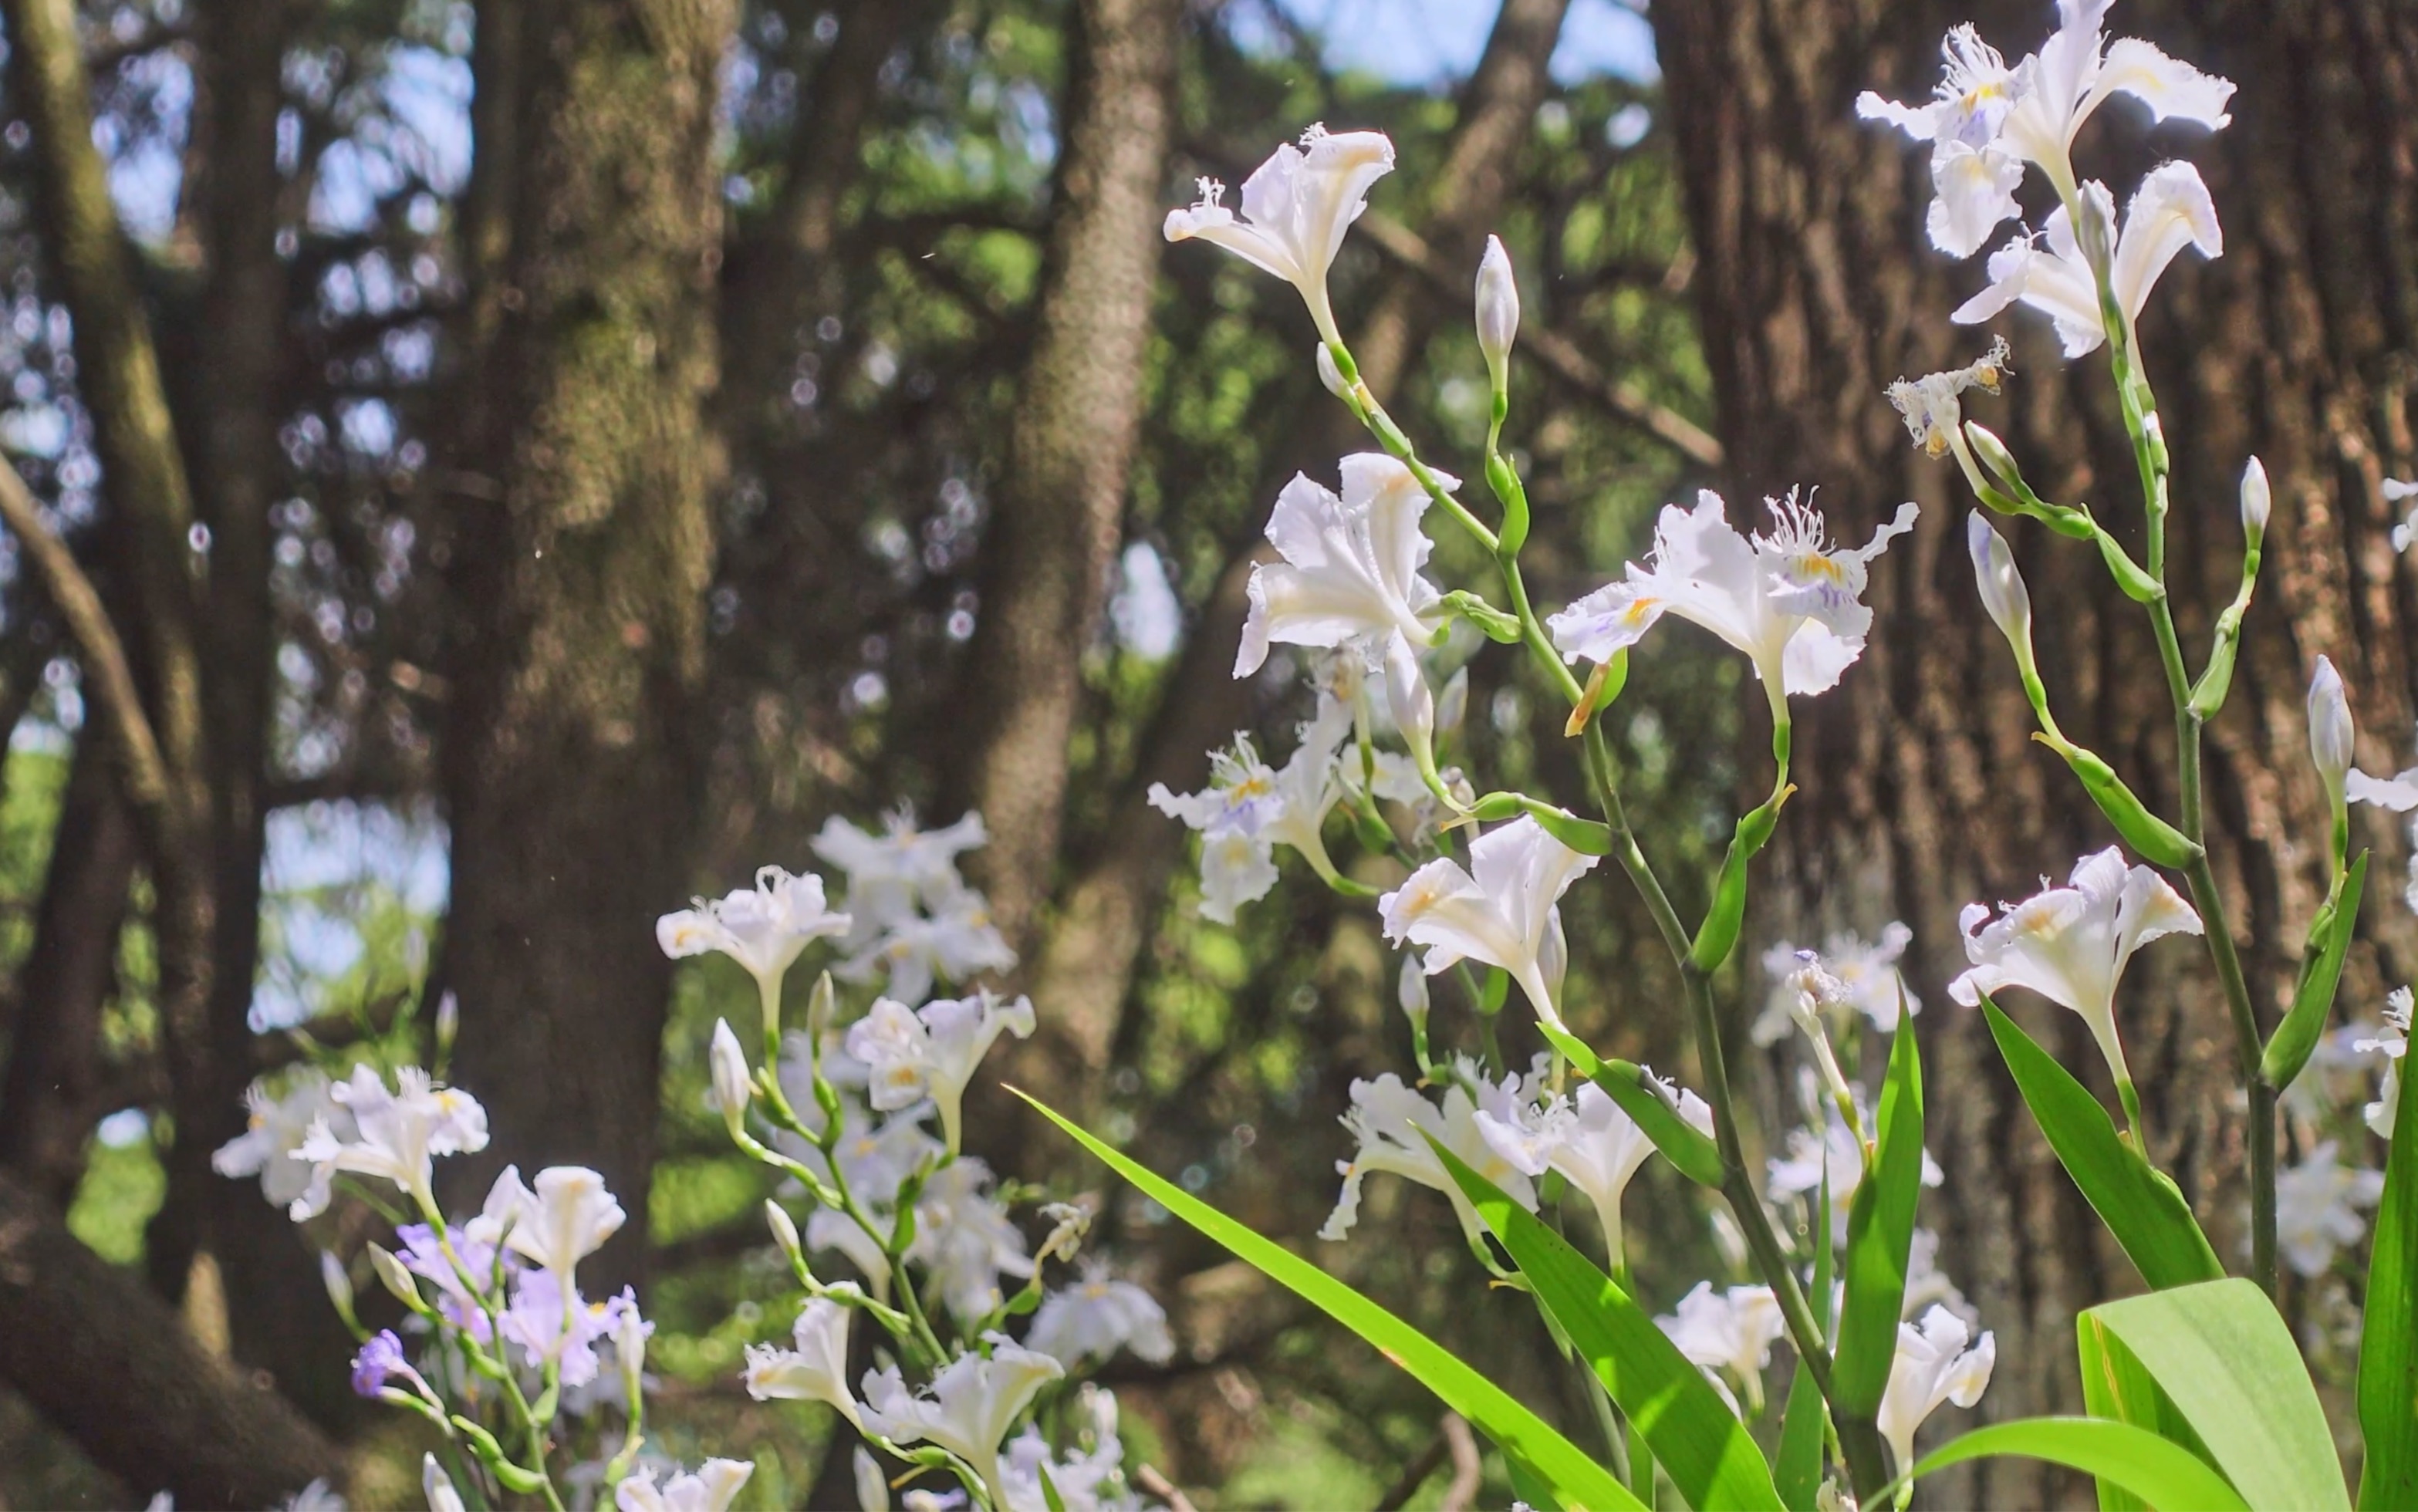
(105, 667)
(1555, 353)
(111, 1366)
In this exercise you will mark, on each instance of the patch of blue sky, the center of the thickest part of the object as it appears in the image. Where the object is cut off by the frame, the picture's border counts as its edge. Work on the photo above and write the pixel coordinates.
(1436, 43)
(327, 864)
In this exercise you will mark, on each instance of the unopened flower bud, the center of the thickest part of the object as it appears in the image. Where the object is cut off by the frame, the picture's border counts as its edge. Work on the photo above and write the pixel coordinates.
(1452, 705)
(731, 1092)
(1498, 311)
(393, 1275)
(2000, 461)
(2330, 728)
(1410, 990)
(1412, 704)
(785, 1231)
(2257, 501)
(438, 1486)
(1331, 375)
(2002, 587)
(872, 1486)
(339, 1284)
(821, 1004)
(448, 1024)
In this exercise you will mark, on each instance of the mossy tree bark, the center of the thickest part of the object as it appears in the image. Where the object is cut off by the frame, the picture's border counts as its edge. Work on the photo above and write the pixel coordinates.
(578, 547)
(1921, 790)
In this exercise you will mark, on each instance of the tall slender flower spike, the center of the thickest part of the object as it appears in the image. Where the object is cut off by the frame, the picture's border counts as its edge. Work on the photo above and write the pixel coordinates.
(932, 1051)
(1501, 912)
(967, 1408)
(1986, 119)
(2070, 945)
(1792, 602)
(2171, 210)
(815, 1371)
(1351, 568)
(1298, 204)
(764, 928)
(1933, 1366)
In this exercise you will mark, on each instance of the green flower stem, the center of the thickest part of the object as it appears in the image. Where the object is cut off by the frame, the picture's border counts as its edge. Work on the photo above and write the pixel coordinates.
(1397, 446)
(532, 1430)
(1860, 1440)
(2149, 456)
(777, 1104)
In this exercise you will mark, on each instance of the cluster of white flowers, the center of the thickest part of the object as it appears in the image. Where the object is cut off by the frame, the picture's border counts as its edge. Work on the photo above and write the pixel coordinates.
(1350, 581)
(848, 1110)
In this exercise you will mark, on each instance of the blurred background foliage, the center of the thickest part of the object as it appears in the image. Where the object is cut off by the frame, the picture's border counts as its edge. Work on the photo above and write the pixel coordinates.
(850, 530)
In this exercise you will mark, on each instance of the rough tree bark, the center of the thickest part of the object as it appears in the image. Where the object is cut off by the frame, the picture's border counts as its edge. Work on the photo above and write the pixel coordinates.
(1060, 501)
(578, 543)
(1086, 965)
(230, 431)
(1920, 788)
(112, 1365)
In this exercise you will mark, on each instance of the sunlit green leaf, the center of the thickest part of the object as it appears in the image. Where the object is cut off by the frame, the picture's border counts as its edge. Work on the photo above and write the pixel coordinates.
(1880, 1235)
(2225, 1359)
(1577, 1481)
(2388, 1345)
(2163, 1474)
(2139, 1205)
(1699, 1442)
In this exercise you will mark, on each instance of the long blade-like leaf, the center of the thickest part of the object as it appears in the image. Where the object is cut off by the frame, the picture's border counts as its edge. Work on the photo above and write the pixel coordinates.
(2224, 1357)
(2116, 1385)
(2313, 997)
(2388, 1344)
(1689, 1147)
(1577, 1481)
(1880, 1236)
(1697, 1440)
(2163, 1474)
(2141, 1208)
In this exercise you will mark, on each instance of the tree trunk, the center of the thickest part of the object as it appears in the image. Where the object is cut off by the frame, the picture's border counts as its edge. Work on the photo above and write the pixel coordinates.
(579, 545)
(1087, 964)
(46, 1093)
(1920, 788)
(1060, 504)
(144, 477)
(232, 417)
